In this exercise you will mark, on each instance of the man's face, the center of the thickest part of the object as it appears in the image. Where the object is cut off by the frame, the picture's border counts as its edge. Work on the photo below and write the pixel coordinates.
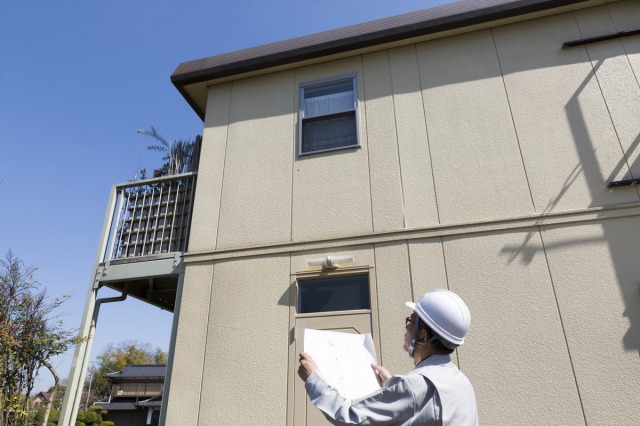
(409, 331)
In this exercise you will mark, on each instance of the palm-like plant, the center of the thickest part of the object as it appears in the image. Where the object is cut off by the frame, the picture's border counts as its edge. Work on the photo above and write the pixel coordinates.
(181, 156)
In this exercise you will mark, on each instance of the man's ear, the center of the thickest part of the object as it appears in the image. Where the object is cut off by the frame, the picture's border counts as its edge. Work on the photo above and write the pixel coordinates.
(423, 336)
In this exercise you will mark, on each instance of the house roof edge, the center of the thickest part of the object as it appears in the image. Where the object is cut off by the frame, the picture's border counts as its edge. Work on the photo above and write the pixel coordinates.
(387, 30)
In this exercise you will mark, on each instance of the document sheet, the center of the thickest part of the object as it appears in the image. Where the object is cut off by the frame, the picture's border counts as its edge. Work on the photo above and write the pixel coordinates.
(344, 360)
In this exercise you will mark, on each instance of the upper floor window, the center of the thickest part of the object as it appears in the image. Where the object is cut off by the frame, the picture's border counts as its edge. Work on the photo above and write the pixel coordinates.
(328, 117)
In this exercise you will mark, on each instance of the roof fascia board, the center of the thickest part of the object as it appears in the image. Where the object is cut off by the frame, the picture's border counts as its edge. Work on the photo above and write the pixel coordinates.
(191, 83)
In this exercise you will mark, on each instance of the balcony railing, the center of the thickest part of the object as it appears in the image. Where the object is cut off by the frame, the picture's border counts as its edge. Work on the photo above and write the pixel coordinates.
(151, 217)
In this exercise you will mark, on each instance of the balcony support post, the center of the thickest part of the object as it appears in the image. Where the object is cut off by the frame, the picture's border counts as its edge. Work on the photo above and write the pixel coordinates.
(80, 361)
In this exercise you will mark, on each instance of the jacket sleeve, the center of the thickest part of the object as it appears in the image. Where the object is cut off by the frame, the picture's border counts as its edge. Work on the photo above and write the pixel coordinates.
(392, 404)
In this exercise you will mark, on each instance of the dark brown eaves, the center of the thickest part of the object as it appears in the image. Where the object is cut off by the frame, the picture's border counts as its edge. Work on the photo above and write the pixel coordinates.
(388, 30)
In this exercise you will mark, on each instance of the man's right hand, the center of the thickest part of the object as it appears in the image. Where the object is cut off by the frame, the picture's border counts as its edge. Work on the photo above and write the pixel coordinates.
(381, 373)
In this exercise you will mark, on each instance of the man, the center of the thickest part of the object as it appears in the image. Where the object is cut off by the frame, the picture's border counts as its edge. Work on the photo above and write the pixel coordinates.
(434, 393)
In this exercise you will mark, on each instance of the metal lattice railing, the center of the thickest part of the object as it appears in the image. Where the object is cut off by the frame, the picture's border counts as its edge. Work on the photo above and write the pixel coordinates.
(152, 217)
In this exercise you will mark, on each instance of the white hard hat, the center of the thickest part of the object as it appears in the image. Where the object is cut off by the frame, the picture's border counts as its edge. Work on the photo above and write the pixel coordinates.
(445, 313)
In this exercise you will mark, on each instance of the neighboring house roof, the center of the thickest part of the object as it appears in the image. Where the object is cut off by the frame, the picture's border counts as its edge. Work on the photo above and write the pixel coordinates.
(44, 395)
(141, 371)
(156, 401)
(121, 405)
(128, 404)
(189, 77)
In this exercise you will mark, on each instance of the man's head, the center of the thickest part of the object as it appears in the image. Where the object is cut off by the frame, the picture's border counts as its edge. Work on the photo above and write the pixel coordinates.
(441, 318)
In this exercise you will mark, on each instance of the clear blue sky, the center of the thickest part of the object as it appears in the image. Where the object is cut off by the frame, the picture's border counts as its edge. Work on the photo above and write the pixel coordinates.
(77, 79)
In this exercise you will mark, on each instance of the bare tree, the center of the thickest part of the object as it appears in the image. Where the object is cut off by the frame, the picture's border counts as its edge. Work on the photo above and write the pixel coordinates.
(30, 335)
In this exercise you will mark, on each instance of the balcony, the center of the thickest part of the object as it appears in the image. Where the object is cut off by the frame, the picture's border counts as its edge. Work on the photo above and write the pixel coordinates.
(146, 231)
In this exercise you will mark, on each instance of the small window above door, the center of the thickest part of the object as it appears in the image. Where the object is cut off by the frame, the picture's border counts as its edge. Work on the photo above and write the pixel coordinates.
(340, 293)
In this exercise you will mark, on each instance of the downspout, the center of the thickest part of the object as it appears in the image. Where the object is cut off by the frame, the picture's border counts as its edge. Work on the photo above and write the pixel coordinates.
(99, 302)
(92, 328)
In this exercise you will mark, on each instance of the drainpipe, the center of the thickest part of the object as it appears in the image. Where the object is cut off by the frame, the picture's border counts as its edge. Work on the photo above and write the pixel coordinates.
(87, 350)
(99, 302)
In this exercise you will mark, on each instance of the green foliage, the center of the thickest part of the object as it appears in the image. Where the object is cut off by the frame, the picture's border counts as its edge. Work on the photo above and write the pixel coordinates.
(30, 335)
(89, 418)
(98, 410)
(116, 358)
(160, 357)
(108, 423)
(36, 418)
(79, 423)
(181, 155)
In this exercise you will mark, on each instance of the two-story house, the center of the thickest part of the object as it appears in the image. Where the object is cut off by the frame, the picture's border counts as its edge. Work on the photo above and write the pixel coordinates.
(136, 395)
(489, 147)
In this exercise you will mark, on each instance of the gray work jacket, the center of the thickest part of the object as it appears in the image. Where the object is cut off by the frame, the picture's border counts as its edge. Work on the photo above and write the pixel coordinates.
(434, 393)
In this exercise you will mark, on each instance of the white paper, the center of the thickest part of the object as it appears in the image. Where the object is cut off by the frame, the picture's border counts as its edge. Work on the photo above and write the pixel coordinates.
(344, 360)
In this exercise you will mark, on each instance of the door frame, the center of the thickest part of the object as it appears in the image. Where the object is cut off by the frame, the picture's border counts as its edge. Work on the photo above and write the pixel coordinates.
(293, 379)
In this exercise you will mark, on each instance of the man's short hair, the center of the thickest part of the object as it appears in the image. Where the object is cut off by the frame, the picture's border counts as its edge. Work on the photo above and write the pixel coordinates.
(440, 345)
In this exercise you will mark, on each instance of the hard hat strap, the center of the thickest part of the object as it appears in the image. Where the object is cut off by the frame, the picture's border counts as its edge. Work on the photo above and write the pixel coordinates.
(414, 341)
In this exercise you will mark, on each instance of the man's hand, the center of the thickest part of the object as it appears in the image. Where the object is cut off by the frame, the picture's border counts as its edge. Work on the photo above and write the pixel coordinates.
(307, 366)
(381, 373)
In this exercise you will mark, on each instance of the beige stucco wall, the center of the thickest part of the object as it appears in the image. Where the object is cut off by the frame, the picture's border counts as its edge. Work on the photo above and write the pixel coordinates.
(483, 169)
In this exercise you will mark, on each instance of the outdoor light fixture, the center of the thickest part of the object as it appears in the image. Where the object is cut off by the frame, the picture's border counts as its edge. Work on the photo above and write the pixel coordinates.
(330, 262)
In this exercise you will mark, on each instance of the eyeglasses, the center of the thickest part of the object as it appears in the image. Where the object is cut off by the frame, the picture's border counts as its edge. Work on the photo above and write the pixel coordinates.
(408, 321)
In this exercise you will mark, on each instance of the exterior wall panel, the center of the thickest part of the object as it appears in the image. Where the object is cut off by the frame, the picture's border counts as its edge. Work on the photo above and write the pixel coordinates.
(386, 187)
(394, 289)
(419, 199)
(595, 272)
(244, 378)
(184, 396)
(616, 78)
(256, 190)
(568, 142)
(477, 166)
(331, 191)
(428, 269)
(212, 158)
(515, 355)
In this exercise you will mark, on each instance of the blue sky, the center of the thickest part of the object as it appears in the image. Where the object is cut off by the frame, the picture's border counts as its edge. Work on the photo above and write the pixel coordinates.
(77, 79)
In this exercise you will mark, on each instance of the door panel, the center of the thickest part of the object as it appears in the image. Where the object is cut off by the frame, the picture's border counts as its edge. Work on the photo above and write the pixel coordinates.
(305, 413)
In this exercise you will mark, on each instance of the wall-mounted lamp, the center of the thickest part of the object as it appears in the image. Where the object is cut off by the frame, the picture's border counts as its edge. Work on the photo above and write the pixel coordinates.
(330, 262)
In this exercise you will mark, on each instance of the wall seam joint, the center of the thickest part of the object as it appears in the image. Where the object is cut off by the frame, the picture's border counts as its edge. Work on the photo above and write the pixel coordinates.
(426, 125)
(564, 331)
(513, 121)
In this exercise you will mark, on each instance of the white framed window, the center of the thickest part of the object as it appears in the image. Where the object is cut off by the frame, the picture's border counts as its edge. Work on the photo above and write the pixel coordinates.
(328, 116)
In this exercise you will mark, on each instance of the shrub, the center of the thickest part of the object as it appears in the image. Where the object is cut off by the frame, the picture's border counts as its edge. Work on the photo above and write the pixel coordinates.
(80, 423)
(108, 423)
(89, 418)
(98, 410)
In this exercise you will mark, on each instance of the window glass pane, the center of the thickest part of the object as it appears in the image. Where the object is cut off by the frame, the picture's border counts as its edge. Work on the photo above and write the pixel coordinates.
(334, 294)
(328, 98)
(332, 132)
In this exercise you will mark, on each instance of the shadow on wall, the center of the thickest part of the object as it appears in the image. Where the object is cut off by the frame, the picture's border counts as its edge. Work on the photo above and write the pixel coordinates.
(620, 245)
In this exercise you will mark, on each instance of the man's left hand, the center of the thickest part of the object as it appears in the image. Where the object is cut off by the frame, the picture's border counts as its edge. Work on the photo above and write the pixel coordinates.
(307, 366)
